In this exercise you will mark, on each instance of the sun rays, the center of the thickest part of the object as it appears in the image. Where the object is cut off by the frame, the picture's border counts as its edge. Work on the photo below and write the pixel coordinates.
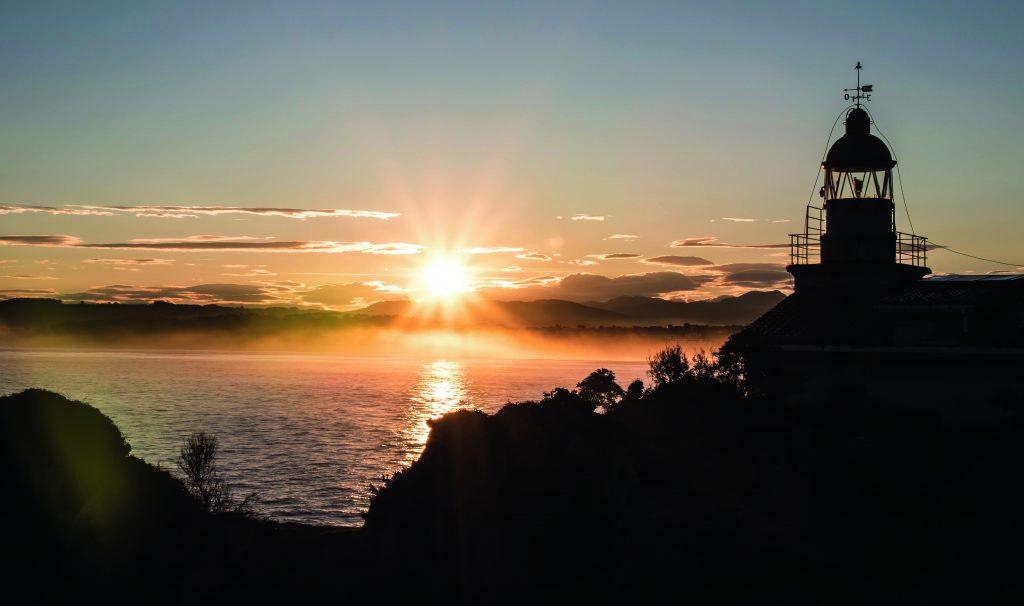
(446, 279)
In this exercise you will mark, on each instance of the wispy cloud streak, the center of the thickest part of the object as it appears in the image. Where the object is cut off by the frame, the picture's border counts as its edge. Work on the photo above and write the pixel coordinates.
(711, 242)
(534, 256)
(220, 243)
(183, 212)
(611, 256)
(129, 261)
(676, 260)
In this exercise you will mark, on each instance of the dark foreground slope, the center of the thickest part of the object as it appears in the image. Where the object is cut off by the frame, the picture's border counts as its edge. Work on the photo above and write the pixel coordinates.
(83, 521)
(692, 493)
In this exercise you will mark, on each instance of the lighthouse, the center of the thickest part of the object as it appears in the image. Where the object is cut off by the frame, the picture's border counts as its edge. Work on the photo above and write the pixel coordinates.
(851, 240)
(865, 318)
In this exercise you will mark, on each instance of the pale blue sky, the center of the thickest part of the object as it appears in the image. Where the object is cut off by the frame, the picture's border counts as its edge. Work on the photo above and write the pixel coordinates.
(482, 123)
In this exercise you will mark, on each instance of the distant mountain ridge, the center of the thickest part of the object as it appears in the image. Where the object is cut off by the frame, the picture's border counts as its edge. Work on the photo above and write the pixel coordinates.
(743, 309)
(620, 311)
(113, 322)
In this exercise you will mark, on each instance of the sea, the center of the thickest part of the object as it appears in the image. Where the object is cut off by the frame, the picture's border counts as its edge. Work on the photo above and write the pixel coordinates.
(308, 434)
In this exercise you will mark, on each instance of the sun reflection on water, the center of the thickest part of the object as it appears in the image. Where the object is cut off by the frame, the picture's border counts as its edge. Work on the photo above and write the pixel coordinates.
(443, 387)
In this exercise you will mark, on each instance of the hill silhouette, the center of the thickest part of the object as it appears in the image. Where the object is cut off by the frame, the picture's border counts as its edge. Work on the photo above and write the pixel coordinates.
(692, 491)
(83, 519)
(46, 321)
(619, 311)
(695, 492)
(742, 309)
(542, 312)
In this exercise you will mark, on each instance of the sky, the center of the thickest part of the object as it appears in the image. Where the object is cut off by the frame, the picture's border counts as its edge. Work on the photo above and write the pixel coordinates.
(312, 153)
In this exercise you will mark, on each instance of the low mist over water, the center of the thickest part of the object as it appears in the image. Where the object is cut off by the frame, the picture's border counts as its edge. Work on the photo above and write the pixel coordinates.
(309, 433)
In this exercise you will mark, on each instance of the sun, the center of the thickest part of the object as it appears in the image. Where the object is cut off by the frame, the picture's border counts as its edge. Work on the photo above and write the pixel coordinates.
(446, 278)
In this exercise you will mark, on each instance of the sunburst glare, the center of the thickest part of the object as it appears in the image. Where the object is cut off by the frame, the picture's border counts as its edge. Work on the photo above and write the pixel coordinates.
(446, 278)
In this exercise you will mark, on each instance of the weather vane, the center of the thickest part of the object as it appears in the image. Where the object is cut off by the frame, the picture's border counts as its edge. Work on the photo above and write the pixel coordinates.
(861, 92)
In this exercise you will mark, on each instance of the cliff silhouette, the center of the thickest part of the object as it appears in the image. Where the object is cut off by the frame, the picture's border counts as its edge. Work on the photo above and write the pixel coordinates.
(85, 521)
(693, 490)
(698, 491)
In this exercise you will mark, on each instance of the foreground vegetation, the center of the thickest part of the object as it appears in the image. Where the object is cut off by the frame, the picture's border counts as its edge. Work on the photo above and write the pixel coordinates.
(690, 489)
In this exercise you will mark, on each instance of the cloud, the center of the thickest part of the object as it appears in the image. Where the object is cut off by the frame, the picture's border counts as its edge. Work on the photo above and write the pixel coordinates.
(264, 293)
(677, 260)
(7, 209)
(29, 277)
(534, 256)
(730, 267)
(758, 278)
(754, 275)
(593, 286)
(130, 262)
(221, 243)
(180, 212)
(711, 241)
(200, 294)
(516, 287)
(622, 237)
(197, 238)
(538, 281)
(13, 293)
(393, 248)
(40, 240)
(608, 256)
(585, 217)
(590, 287)
(254, 273)
(582, 262)
(487, 250)
(236, 244)
(354, 294)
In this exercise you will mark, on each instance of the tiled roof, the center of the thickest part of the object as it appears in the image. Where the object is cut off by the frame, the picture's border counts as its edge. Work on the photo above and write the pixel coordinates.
(993, 306)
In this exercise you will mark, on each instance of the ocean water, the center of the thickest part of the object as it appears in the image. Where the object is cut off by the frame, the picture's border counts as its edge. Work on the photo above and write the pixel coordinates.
(308, 433)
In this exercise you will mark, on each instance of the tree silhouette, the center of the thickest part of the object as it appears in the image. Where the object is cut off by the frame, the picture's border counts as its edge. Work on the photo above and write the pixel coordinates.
(198, 463)
(600, 388)
(704, 367)
(635, 391)
(668, 366)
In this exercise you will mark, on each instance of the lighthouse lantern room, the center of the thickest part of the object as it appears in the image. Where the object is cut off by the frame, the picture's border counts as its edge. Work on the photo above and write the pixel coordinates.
(851, 239)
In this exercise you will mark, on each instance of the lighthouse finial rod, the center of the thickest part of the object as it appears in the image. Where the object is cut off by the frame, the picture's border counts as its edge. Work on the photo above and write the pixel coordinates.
(859, 93)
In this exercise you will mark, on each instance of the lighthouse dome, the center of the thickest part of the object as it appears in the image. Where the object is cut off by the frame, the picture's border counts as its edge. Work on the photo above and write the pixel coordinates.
(858, 150)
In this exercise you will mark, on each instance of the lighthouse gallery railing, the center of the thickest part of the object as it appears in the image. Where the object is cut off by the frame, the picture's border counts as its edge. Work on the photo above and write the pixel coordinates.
(805, 248)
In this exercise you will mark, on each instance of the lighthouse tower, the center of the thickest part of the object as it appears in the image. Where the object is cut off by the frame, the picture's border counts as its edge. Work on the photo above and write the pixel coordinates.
(851, 242)
(864, 321)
